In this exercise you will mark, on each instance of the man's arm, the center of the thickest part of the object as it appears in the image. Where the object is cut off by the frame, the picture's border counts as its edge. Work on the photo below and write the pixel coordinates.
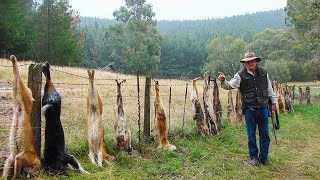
(232, 84)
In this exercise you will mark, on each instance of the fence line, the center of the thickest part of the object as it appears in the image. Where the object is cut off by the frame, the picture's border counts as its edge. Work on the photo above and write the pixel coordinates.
(135, 117)
(80, 115)
(100, 79)
(12, 66)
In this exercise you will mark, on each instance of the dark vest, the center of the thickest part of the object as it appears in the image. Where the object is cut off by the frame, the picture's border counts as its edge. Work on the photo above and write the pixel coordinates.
(254, 89)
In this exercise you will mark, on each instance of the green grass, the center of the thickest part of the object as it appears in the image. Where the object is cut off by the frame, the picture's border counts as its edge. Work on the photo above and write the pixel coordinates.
(219, 157)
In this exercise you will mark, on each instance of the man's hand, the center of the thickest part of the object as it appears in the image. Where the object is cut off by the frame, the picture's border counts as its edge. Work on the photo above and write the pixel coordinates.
(221, 76)
(273, 107)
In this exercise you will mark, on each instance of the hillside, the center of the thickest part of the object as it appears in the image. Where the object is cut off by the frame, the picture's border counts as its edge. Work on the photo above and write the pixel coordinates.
(241, 25)
(183, 47)
(245, 26)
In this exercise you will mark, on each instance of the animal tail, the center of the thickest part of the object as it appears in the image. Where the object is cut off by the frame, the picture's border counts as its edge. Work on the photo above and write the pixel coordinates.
(70, 159)
(46, 70)
(107, 156)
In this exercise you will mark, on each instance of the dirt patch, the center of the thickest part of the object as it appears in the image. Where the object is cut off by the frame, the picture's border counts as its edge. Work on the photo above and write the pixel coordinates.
(5, 112)
(3, 157)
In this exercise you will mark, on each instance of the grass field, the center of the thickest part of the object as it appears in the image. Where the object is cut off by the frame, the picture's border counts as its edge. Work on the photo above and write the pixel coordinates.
(220, 157)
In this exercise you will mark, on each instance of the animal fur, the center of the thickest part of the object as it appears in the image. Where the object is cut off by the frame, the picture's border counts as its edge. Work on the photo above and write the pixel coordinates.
(280, 104)
(300, 95)
(275, 89)
(22, 151)
(208, 111)
(281, 101)
(197, 113)
(123, 133)
(288, 98)
(95, 125)
(55, 158)
(161, 123)
(231, 113)
(238, 107)
(217, 109)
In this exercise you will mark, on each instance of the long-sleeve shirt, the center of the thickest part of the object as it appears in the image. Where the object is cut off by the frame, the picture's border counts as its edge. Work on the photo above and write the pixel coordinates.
(235, 83)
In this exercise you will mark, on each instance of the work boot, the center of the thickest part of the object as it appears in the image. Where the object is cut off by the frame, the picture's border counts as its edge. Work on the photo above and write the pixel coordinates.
(254, 162)
(264, 162)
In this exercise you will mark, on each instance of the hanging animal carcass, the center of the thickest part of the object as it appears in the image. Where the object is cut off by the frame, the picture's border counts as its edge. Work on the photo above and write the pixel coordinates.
(288, 98)
(231, 113)
(238, 107)
(281, 101)
(197, 113)
(207, 106)
(122, 129)
(95, 125)
(22, 151)
(217, 109)
(161, 123)
(55, 158)
(234, 113)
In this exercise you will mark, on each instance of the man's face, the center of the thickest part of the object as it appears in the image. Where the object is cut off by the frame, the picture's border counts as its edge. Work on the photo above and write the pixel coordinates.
(251, 65)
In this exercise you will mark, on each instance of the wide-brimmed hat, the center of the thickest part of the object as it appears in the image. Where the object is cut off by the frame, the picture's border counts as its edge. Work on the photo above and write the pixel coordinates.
(249, 56)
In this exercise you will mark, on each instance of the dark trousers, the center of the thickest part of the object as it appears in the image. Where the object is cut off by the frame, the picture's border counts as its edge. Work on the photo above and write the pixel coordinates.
(253, 118)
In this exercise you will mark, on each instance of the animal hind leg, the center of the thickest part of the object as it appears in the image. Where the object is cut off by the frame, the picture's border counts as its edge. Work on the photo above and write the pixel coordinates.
(107, 157)
(7, 166)
(23, 159)
(99, 158)
(19, 89)
(91, 156)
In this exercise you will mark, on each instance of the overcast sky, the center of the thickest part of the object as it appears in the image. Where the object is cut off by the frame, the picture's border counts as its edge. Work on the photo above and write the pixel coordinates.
(180, 9)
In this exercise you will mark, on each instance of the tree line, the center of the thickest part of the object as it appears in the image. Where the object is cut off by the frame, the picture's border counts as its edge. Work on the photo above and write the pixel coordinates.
(40, 31)
(287, 40)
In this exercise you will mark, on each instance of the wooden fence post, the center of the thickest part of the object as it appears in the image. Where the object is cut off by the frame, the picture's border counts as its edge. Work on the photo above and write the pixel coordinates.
(146, 126)
(35, 84)
(308, 95)
(184, 107)
(293, 89)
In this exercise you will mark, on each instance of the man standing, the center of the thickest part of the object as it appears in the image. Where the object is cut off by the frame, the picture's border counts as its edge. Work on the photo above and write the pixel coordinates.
(256, 90)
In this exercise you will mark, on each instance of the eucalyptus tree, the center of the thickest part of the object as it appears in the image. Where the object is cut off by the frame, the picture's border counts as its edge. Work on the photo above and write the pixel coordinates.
(278, 70)
(135, 40)
(224, 55)
(304, 18)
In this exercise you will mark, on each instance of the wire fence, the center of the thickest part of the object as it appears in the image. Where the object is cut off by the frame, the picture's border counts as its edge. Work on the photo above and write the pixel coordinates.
(72, 84)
